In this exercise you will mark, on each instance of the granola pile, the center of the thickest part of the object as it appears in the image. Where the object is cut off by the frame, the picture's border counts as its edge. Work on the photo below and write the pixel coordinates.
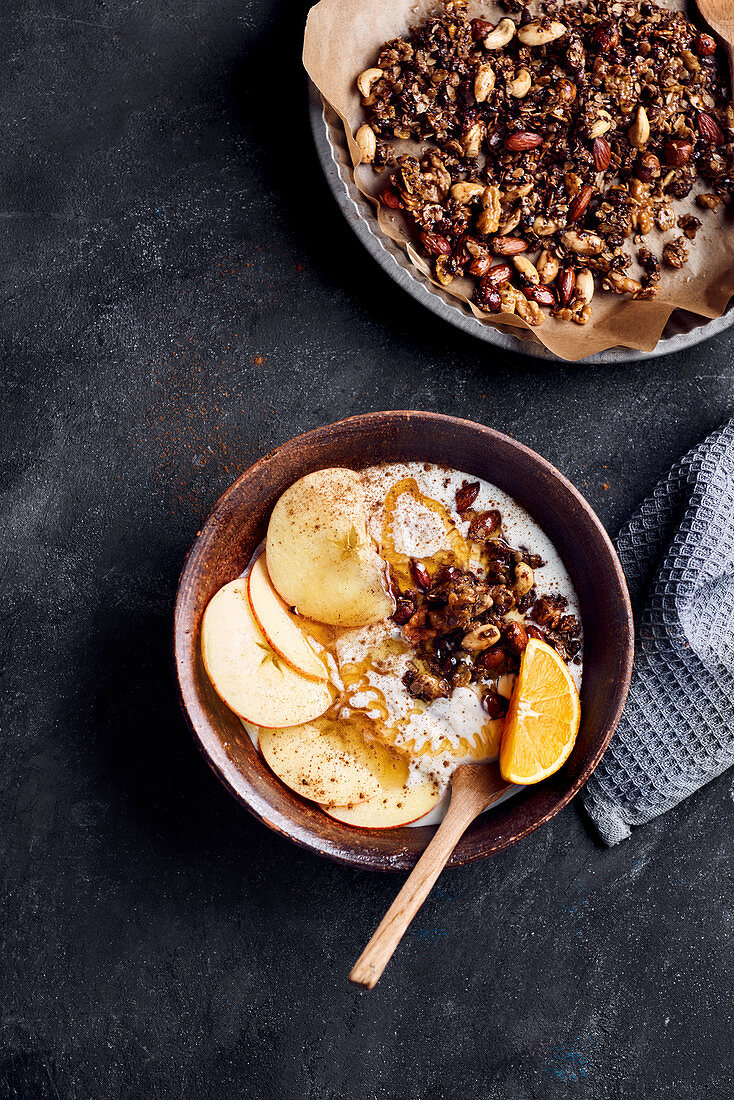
(554, 145)
(467, 628)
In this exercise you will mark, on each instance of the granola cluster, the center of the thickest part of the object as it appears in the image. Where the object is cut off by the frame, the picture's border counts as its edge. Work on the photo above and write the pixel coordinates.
(467, 628)
(554, 145)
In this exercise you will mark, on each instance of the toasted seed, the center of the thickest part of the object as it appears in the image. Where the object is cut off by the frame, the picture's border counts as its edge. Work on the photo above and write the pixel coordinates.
(466, 495)
(709, 129)
(524, 578)
(677, 151)
(622, 284)
(544, 227)
(523, 140)
(471, 139)
(421, 576)
(530, 312)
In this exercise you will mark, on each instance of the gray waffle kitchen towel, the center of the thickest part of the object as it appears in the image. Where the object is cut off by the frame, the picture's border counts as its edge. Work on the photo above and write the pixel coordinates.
(677, 730)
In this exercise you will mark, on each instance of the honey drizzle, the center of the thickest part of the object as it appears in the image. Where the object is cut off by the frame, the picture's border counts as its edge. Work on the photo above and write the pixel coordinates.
(393, 732)
(459, 551)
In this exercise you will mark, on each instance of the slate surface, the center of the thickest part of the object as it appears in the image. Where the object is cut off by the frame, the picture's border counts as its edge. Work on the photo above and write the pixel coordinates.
(179, 295)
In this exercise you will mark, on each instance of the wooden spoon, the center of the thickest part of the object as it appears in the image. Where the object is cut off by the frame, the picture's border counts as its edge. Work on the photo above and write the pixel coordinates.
(474, 788)
(719, 14)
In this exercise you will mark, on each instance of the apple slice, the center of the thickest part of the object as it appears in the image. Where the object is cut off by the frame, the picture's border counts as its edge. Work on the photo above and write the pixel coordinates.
(320, 556)
(246, 671)
(397, 803)
(317, 763)
(278, 625)
(392, 807)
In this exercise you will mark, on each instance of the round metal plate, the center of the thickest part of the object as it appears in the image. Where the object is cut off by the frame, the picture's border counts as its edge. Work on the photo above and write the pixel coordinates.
(683, 330)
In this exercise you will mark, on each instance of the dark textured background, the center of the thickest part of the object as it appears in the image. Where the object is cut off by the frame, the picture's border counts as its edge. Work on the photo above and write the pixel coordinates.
(179, 295)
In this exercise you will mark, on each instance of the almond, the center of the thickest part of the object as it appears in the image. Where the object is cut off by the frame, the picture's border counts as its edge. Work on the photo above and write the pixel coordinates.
(577, 209)
(543, 295)
(498, 275)
(523, 140)
(509, 246)
(710, 130)
(602, 153)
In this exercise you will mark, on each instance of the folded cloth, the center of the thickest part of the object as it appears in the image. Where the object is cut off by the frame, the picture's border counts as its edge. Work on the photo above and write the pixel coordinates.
(677, 730)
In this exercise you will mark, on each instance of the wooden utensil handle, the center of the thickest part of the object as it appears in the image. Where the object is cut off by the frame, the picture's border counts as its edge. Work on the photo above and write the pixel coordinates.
(378, 952)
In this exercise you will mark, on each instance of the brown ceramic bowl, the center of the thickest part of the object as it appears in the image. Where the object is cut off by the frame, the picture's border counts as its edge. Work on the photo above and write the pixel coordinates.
(225, 544)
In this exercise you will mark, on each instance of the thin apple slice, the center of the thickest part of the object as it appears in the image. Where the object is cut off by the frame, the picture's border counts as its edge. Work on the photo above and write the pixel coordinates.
(246, 671)
(398, 801)
(320, 556)
(318, 763)
(286, 637)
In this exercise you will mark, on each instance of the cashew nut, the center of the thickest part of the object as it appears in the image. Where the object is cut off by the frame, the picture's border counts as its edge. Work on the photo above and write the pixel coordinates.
(639, 131)
(520, 85)
(547, 267)
(503, 33)
(366, 79)
(484, 83)
(527, 269)
(465, 192)
(584, 286)
(536, 33)
(583, 244)
(602, 125)
(366, 143)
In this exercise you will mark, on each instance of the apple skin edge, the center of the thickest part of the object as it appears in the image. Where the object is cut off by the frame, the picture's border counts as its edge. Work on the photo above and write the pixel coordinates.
(268, 635)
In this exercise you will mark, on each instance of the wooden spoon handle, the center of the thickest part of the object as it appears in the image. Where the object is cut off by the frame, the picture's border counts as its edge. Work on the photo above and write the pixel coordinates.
(378, 952)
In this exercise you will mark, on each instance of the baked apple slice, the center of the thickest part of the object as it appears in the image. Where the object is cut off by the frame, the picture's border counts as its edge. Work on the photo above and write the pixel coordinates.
(320, 557)
(278, 625)
(247, 672)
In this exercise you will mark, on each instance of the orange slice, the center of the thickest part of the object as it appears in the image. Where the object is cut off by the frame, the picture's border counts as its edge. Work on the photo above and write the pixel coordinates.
(543, 718)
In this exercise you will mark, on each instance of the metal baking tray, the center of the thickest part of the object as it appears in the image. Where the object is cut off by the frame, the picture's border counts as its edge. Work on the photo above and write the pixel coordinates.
(683, 329)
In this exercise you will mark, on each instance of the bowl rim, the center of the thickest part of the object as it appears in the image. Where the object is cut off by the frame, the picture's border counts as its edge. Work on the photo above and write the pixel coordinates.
(210, 746)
